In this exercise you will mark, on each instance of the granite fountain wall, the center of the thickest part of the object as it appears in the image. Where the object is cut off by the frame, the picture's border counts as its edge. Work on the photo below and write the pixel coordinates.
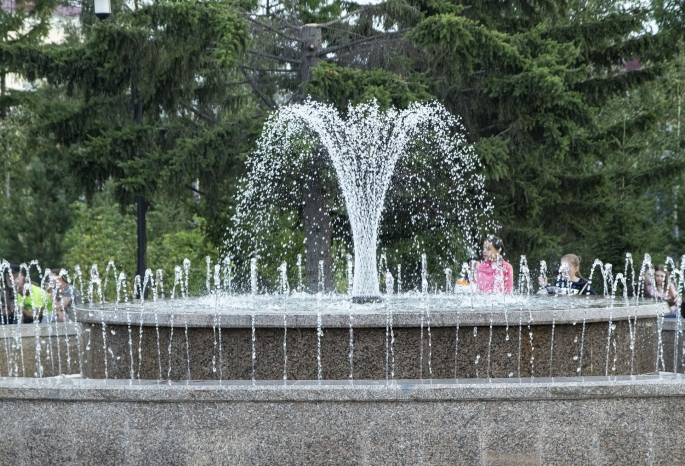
(562, 421)
(549, 346)
(584, 419)
(57, 346)
(672, 338)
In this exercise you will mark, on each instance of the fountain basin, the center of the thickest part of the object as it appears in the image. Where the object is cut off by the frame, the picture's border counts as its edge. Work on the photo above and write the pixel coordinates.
(58, 343)
(205, 342)
(672, 337)
(588, 420)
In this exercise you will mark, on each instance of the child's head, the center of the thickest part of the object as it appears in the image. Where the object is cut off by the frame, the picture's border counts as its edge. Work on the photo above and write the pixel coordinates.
(492, 248)
(660, 275)
(572, 262)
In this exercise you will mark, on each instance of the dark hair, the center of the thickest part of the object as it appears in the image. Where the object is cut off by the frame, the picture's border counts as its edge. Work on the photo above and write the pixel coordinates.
(496, 242)
(14, 268)
(661, 268)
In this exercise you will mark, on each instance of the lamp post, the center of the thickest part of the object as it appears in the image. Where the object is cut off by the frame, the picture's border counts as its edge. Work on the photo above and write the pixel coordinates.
(103, 10)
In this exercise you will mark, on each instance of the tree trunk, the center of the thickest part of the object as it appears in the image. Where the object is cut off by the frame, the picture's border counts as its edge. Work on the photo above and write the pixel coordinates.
(317, 220)
(311, 45)
(317, 226)
(2, 115)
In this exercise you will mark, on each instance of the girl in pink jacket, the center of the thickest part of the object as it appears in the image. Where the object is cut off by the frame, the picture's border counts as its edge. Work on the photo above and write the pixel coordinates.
(494, 274)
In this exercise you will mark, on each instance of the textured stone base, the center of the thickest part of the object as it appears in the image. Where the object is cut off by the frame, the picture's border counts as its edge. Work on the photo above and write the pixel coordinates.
(516, 422)
(58, 353)
(507, 352)
(672, 337)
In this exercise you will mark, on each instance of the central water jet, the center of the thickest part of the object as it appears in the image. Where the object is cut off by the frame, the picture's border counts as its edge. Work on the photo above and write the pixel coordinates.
(364, 147)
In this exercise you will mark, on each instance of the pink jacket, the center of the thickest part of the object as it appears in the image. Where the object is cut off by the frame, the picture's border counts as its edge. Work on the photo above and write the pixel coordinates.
(488, 274)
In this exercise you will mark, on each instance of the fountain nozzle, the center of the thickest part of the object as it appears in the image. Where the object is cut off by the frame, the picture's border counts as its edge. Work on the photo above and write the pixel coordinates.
(366, 299)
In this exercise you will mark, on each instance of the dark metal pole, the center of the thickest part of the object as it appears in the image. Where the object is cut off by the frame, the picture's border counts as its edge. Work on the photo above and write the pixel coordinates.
(142, 237)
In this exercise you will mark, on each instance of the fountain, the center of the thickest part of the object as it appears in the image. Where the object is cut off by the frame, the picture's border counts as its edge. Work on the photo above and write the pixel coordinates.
(365, 149)
(285, 376)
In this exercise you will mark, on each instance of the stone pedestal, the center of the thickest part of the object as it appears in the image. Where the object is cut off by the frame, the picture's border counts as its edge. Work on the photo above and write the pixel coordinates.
(593, 421)
(25, 348)
(495, 343)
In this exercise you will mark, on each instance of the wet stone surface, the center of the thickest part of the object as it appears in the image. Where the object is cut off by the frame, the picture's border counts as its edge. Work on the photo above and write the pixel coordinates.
(525, 351)
(580, 421)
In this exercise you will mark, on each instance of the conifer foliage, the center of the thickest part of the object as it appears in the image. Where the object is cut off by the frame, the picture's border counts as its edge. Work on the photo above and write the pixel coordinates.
(534, 82)
(177, 55)
(573, 106)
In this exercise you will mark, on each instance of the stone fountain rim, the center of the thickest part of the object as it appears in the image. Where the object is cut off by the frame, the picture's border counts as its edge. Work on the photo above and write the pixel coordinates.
(369, 318)
(545, 389)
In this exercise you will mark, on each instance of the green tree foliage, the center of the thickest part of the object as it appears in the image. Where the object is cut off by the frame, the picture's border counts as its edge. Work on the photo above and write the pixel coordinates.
(581, 153)
(36, 196)
(38, 216)
(638, 175)
(538, 85)
(28, 218)
(105, 232)
(531, 81)
(344, 86)
(22, 24)
(178, 55)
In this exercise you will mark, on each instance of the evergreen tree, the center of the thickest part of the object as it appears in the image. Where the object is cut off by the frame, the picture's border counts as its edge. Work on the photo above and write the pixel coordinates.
(288, 40)
(177, 55)
(530, 80)
(581, 152)
(640, 169)
(26, 202)
(36, 212)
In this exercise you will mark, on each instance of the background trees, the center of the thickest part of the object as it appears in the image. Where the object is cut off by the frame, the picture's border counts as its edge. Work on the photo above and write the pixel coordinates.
(536, 86)
(176, 55)
(573, 107)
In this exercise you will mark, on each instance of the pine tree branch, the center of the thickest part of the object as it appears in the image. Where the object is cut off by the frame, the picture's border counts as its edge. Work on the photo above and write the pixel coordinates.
(328, 50)
(237, 83)
(343, 18)
(266, 26)
(199, 113)
(277, 70)
(275, 57)
(282, 20)
(202, 193)
(506, 131)
(259, 92)
(343, 30)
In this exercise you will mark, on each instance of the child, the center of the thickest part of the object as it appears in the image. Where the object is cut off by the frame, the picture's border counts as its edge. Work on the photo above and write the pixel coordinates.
(569, 281)
(494, 274)
(659, 290)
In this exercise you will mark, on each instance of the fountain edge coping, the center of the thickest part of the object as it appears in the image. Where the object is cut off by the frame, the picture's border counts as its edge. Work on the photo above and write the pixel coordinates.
(91, 390)
(434, 318)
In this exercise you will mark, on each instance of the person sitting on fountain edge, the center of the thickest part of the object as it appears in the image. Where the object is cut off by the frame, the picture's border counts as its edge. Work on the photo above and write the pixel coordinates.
(64, 296)
(569, 280)
(7, 297)
(494, 274)
(32, 300)
(660, 290)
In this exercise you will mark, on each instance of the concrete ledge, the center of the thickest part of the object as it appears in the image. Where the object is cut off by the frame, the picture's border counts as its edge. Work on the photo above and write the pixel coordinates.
(580, 388)
(436, 314)
(593, 421)
(43, 330)
(672, 324)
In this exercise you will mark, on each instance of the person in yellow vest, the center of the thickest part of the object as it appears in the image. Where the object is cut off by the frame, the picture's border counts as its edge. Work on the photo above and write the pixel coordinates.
(32, 300)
